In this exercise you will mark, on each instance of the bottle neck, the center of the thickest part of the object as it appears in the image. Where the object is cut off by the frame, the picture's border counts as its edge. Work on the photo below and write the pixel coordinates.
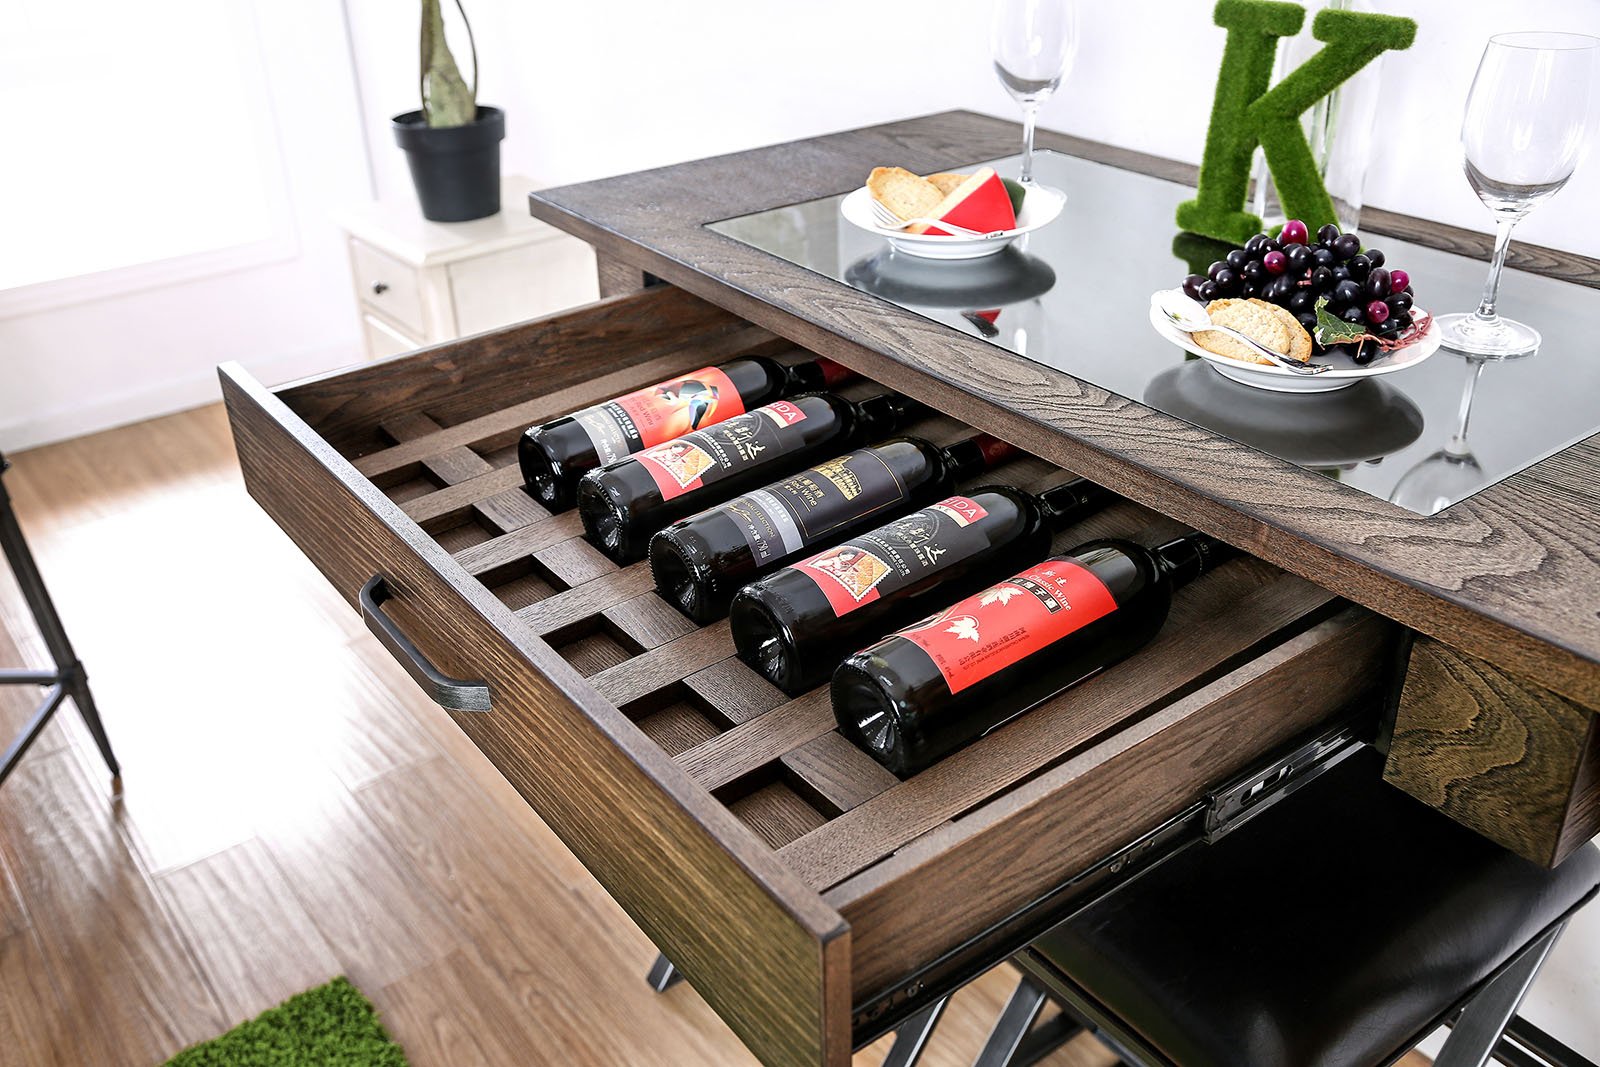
(815, 375)
(1070, 501)
(971, 457)
(886, 412)
(1187, 558)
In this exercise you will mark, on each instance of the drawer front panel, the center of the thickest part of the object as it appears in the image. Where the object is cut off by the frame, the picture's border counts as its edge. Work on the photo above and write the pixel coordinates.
(388, 286)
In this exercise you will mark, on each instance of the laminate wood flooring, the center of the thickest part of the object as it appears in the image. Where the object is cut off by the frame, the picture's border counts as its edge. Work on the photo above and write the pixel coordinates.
(292, 809)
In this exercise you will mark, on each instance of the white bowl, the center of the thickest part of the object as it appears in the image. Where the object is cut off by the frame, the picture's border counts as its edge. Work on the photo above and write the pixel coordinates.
(1345, 373)
(1040, 207)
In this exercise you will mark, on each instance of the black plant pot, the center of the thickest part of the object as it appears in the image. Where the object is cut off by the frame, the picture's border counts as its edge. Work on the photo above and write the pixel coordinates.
(456, 169)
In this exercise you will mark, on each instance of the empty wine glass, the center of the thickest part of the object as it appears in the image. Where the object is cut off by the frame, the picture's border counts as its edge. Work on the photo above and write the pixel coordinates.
(1032, 42)
(1529, 116)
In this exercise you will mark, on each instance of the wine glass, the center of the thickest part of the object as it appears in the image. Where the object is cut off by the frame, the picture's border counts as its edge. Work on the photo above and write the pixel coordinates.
(1529, 116)
(1032, 42)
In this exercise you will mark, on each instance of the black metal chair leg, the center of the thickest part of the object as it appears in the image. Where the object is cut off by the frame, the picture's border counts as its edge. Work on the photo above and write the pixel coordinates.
(69, 674)
(911, 1037)
(1016, 1019)
(1477, 1030)
(663, 975)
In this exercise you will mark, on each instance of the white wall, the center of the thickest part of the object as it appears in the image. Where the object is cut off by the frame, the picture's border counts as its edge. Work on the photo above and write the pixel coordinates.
(118, 356)
(605, 88)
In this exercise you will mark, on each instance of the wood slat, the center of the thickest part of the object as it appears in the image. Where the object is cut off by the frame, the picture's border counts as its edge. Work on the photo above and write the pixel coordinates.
(481, 558)
(665, 664)
(504, 511)
(571, 606)
(760, 740)
(1174, 663)
(841, 775)
(427, 510)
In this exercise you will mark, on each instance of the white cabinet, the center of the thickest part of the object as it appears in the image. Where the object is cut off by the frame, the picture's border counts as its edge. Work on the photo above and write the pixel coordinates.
(419, 283)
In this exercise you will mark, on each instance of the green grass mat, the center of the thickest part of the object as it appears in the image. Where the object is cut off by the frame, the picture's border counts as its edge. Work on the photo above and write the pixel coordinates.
(332, 1025)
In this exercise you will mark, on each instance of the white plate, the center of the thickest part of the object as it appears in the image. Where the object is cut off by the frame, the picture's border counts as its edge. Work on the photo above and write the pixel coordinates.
(1346, 372)
(1039, 208)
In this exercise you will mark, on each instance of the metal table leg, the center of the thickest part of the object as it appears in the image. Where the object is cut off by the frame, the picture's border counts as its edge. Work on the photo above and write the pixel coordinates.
(69, 677)
(1477, 1030)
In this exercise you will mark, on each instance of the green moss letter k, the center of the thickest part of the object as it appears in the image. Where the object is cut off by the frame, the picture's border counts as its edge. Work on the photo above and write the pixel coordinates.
(1246, 113)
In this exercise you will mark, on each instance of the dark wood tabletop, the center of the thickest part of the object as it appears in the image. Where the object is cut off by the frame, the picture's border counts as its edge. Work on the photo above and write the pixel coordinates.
(1512, 574)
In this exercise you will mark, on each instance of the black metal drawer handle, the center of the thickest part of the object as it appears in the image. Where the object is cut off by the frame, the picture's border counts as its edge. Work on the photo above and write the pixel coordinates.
(452, 694)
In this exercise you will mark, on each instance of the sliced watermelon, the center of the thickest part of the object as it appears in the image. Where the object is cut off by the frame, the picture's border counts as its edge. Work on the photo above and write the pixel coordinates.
(980, 203)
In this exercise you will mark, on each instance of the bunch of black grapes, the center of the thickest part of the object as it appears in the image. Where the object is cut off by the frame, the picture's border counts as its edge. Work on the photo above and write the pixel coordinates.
(1290, 271)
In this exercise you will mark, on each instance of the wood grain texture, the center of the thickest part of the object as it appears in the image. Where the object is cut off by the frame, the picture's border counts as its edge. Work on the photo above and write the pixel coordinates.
(666, 850)
(1506, 757)
(1512, 574)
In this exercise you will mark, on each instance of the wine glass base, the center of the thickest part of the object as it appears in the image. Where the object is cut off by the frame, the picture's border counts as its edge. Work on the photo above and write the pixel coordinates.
(1496, 339)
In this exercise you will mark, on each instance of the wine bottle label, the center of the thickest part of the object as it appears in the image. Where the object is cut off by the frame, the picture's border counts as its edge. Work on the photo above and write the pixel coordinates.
(706, 456)
(785, 517)
(666, 410)
(989, 631)
(888, 559)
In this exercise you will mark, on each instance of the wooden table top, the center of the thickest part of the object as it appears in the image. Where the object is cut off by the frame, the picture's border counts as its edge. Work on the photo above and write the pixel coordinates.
(1511, 574)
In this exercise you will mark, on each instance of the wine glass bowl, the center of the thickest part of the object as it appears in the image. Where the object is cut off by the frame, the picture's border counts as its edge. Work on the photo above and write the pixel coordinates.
(1528, 121)
(1032, 43)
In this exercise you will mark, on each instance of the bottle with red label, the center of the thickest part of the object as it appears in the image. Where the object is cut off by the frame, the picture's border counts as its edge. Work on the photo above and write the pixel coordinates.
(929, 688)
(555, 454)
(795, 625)
(624, 503)
(700, 562)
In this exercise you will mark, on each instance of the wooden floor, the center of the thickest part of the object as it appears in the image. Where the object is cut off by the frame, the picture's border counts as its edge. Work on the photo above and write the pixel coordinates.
(292, 809)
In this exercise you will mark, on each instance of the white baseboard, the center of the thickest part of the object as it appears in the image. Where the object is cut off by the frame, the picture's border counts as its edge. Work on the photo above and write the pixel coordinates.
(163, 398)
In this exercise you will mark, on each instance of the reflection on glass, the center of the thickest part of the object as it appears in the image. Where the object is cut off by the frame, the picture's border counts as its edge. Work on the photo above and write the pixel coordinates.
(1076, 299)
(1453, 473)
(1326, 432)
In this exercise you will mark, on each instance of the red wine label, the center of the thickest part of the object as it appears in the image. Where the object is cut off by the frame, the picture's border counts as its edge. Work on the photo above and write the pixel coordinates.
(786, 516)
(888, 559)
(705, 456)
(989, 631)
(660, 413)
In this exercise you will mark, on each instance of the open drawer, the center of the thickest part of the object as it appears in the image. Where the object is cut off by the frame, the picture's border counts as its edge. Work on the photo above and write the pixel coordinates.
(798, 885)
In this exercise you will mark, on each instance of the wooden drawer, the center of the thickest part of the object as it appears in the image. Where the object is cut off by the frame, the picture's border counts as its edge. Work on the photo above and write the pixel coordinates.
(387, 285)
(792, 880)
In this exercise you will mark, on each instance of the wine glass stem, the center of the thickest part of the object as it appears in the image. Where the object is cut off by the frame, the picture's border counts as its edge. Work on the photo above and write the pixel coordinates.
(1030, 114)
(1491, 289)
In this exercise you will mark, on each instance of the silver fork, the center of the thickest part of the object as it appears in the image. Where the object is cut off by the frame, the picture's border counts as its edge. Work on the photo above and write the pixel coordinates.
(888, 220)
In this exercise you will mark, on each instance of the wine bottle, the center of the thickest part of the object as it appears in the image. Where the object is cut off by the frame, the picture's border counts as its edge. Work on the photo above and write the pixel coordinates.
(623, 503)
(555, 454)
(929, 688)
(700, 562)
(796, 624)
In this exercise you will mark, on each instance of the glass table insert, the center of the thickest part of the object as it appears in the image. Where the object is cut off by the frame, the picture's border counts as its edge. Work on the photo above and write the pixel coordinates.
(1075, 296)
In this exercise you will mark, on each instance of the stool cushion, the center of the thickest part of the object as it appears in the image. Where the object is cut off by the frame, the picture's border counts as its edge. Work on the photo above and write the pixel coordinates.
(1334, 928)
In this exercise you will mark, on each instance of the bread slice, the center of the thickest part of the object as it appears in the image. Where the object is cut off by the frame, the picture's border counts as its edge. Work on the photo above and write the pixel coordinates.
(1256, 319)
(948, 183)
(907, 195)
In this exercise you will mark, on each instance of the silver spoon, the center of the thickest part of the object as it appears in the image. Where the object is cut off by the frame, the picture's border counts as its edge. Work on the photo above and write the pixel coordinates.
(1192, 317)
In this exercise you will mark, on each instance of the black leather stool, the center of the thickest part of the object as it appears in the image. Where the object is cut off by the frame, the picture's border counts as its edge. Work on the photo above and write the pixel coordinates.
(1339, 927)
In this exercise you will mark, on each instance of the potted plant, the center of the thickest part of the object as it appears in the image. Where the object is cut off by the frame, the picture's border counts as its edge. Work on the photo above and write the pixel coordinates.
(452, 144)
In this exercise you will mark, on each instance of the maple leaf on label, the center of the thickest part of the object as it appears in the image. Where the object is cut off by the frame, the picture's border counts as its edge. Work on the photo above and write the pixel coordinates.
(999, 595)
(964, 626)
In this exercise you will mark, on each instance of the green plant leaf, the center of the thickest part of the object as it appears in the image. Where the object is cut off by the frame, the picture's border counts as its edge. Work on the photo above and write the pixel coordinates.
(1332, 330)
(446, 99)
